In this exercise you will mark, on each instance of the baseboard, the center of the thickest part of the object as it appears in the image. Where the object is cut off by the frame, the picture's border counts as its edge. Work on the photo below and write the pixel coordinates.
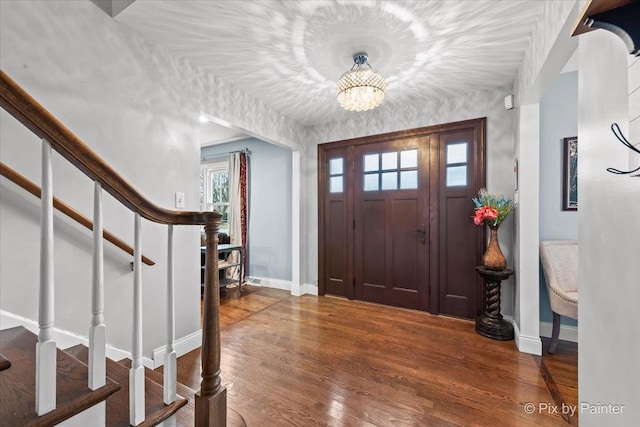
(285, 285)
(267, 282)
(526, 344)
(65, 339)
(309, 289)
(304, 289)
(183, 346)
(567, 332)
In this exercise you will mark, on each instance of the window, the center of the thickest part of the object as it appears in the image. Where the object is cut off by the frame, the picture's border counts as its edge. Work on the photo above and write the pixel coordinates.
(391, 171)
(457, 164)
(214, 190)
(336, 175)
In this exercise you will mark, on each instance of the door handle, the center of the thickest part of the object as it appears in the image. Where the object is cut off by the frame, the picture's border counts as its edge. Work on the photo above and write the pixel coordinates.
(422, 233)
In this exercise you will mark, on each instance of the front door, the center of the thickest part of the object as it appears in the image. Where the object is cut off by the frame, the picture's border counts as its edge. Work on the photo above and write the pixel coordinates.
(395, 218)
(391, 224)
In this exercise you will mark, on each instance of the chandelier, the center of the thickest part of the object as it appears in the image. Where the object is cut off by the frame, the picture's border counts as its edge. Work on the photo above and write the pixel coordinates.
(360, 88)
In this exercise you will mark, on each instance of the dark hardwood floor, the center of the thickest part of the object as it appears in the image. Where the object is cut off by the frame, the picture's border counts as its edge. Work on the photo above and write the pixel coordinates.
(323, 361)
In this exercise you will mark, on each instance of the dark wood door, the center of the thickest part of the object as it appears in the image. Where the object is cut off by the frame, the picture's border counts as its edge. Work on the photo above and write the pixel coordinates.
(395, 218)
(336, 228)
(459, 239)
(391, 223)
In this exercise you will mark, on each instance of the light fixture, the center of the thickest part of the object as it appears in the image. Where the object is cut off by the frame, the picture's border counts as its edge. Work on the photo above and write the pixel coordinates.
(361, 88)
(203, 118)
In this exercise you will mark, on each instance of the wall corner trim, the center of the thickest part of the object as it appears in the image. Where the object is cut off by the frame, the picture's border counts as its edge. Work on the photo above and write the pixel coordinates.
(527, 344)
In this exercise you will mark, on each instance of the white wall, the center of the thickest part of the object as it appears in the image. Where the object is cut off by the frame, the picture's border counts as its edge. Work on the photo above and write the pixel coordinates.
(609, 235)
(526, 310)
(131, 103)
(549, 49)
(488, 103)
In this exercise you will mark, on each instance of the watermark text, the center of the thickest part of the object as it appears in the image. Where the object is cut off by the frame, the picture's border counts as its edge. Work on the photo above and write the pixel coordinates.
(571, 410)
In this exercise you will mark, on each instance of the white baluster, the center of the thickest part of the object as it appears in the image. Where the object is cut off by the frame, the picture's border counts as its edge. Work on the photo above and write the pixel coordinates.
(46, 346)
(170, 362)
(136, 373)
(97, 331)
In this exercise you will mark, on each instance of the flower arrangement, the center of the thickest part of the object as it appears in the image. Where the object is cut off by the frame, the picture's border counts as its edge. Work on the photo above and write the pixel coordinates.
(491, 209)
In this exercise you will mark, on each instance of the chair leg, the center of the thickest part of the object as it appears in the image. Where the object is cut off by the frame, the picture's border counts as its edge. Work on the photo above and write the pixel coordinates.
(555, 333)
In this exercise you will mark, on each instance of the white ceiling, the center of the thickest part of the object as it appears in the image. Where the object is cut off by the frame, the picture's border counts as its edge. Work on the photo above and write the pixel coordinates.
(289, 54)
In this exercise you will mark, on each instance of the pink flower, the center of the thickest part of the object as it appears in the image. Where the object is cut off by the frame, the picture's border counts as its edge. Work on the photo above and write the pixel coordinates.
(483, 213)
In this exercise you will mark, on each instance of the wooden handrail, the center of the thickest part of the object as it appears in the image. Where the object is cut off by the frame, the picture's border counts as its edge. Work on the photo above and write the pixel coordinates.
(34, 116)
(34, 189)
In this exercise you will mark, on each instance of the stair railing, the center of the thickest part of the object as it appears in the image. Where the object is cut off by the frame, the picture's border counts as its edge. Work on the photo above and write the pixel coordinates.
(211, 399)
(61, 206)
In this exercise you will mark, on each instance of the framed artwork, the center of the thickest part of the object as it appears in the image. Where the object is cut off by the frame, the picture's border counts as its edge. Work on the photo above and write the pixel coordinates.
(570, 174)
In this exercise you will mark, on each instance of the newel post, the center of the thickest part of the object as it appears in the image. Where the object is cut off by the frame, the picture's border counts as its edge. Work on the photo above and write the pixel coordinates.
(211, 400)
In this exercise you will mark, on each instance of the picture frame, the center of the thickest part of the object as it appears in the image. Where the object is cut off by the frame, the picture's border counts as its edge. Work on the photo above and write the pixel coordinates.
(570, 174)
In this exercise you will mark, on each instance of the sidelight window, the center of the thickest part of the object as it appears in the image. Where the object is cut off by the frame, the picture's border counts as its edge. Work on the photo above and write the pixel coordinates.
(336, 175)
(457, 164)
(391, 170)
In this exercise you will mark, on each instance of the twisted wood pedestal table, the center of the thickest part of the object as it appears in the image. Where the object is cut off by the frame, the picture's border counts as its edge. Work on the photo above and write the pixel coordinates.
(491, 324)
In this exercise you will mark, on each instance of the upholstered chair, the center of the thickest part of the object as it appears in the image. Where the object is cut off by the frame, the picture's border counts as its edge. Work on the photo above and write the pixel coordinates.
(560, 265)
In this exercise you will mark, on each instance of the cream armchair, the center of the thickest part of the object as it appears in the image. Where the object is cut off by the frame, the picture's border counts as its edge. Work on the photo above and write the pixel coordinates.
(560, 265)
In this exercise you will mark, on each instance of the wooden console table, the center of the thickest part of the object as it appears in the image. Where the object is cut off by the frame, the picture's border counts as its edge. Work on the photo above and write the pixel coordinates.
(491, 324)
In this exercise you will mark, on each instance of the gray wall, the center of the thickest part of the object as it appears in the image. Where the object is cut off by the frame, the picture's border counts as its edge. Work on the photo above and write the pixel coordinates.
(270, 207)
(127, 100)
(558, 120)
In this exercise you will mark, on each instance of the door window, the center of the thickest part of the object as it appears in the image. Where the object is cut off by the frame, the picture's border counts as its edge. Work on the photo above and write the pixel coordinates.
(336, 175)
(457, 164)
(391, 170)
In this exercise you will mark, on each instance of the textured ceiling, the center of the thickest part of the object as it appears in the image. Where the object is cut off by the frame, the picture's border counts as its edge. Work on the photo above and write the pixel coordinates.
(211, 133)
(289, 54)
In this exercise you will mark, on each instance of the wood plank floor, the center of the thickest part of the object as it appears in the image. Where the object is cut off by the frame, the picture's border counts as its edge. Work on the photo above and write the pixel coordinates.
(323, 361)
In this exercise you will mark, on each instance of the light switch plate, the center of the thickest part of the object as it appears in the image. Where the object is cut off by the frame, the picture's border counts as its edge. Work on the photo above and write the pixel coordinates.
(179, 200)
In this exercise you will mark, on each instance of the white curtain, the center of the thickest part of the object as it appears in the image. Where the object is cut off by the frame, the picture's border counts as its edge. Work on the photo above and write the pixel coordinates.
(235, 209)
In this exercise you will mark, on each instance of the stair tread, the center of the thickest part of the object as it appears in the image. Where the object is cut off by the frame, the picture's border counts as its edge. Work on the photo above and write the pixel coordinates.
(118, 404)
(17, 385)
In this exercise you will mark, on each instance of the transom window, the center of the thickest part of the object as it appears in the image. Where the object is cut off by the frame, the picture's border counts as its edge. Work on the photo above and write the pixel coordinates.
(391, 171)
(457, 164)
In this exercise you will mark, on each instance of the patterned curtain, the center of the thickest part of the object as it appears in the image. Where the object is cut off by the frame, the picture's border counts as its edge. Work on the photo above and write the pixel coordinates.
(244, 208)
(238, 205)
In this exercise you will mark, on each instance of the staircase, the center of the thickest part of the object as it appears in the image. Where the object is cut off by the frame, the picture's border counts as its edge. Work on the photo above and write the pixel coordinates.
(17, 384)
(41, 385)
(118, 403)
(17, 387)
